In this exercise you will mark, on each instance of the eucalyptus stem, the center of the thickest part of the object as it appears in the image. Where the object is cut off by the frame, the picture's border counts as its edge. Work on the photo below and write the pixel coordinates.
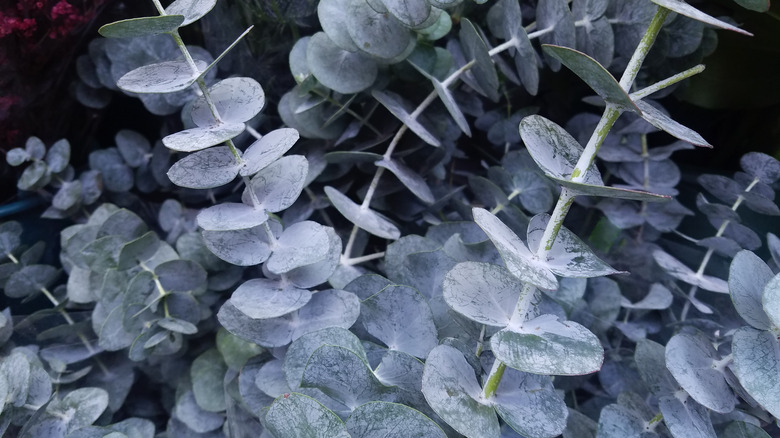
(608, 118)
(640, 53)
(671, 80)
(708, 255)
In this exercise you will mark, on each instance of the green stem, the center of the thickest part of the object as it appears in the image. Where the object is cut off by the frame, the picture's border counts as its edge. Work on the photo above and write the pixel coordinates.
(671, 80)
(494, 378)
(640, 53)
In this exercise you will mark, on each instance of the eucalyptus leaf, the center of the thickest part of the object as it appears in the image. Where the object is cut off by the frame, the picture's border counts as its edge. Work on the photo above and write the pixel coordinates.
(382, 420)
(334, 22)
(30, 280)
(518, 258)
(683, 8)
(658, 297)
(245, 247)
(530, 404)
(400, 317)
(451, 389)
(555, 17)
(301, 244)
(364, 218)
(378, 34)
(690, 358)
(756, 356)
(688, 418)
(163, 77)
(482, 292)
(181, 275)
(545, 345)
(231, 216)
(236, 100)
(351, 383)
(678, 270)
(340, 70)
(761, 166)
(448, 100)
(58, 156)
(771, 300)
(267, 149)
(207, 373)
(411, 180)
(197, 419)
(663, 122)
(262, 298)
(278, 185)
(195, 139)
(143, 26)
(393, 103)
(192, 10)
(748, 276)
(476, 50)
(301, 349)
(80, 407)
(594, 74)
(299, 416)
(205, 169)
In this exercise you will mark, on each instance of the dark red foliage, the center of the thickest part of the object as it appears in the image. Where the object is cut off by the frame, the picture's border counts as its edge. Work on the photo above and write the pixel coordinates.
(36, 42)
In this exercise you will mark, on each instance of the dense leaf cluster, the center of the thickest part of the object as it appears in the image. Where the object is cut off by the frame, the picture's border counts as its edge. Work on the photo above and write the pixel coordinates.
(445, 302)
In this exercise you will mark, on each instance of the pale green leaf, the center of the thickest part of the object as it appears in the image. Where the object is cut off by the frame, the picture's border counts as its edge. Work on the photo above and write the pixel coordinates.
(482, 292)
(142, 26)
(340, 70)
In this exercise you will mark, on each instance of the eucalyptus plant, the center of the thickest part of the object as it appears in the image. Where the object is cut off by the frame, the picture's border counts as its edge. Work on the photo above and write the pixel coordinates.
(425, 309)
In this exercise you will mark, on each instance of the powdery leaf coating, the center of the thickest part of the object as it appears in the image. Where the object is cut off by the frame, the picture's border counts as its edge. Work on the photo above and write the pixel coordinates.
(301, 349)
(10, 237)
(366, 219)
(270, 380)
(278, 185)
(482, 292)
(303, 243)
(192, 10)
(748, 276)
(475, 49)
(689, 419)
(665, 123)
(261, 298)
(195, 139)
(678, 270)
(518, 259)
(451, 389)
(554, 150)
(237, 100)
(412, 13)
(267, 149)
(163, 77)
(545, 345)
(409, 178)
(205, 169)
(142, 26)
(400, 317)
(569, 255)
(530, 404)
(30, 280)
(616, 420)
(58, 156)
(650, 358)
(594, 74)
(383, 420)
(231, 216)
(690, 358)
(188, 411)
(683, 8)
(771, 300)
(299, 416)
(741, 429)
(510, 22)
(340, 70)
(393, 103)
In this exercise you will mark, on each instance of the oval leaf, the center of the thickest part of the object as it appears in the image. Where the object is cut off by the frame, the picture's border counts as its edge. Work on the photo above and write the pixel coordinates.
(299, 416)
(142, 26)
(205, 169)
(748, 276)
(366, 219)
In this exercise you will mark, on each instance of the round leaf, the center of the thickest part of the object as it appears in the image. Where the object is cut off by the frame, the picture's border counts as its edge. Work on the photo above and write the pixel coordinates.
(236, 100)
(530, 404)
(482, 292)
(245, 247)
(340, 70)
(205, 169)
(382, 420)
(748, 276)
(299, 416)
(451, 389)
(545, 345)
(261, 298)
(278, 185)
(192, 10)
(299, 351)
(163, 77)
(195, 139)
(268, 149)
(301, 244)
